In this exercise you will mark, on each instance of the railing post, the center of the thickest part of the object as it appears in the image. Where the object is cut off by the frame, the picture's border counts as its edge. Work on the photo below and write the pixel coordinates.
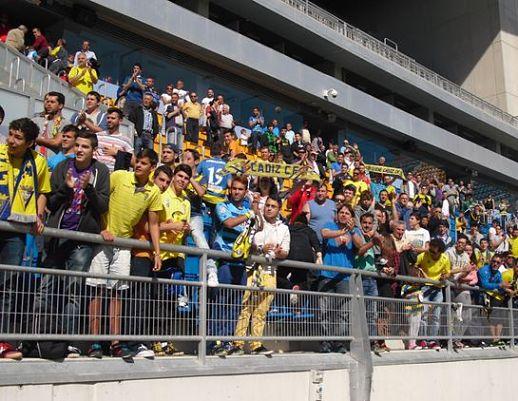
(511, 320)
(361, 377)
(202, 309)
(449, 317)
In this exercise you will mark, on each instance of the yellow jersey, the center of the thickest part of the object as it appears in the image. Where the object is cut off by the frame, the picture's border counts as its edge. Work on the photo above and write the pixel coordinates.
(434, 268)
(175, 209)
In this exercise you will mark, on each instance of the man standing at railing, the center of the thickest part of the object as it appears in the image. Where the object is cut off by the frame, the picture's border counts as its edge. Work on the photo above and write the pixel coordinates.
(79, 198)
(232, 217)
(24, 181)
(131, 196)
(435, 265)
(463, 272)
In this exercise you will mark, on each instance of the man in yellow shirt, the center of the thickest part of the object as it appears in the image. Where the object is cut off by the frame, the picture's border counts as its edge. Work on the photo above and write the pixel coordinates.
(359, 184)
(131, 196)
(174, 221)
(24, 181)
(434, 264)
(83, 76)
(192, 112)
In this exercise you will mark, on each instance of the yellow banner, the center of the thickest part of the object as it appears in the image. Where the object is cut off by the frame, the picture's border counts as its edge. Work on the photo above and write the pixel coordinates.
(261, 168)
(374, 168)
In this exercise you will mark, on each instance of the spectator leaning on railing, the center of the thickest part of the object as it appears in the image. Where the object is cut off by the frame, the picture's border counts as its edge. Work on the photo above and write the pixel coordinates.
(79, 197)
(131, 196)
(24, 182)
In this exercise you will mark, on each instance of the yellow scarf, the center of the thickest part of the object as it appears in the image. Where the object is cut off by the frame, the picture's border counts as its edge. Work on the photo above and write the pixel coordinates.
(18, 194)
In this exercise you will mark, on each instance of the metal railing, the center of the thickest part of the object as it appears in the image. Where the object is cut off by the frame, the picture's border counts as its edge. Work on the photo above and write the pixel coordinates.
(44, 304)
(390, 53)
(38, 304)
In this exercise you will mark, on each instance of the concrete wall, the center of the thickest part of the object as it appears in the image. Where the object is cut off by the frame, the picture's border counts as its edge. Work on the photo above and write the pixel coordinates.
(435, 380)
(463, 380)
(292, 386)
(474, 43)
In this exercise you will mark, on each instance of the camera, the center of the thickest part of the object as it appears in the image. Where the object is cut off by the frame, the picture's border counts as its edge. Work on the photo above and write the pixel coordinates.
(330, 93)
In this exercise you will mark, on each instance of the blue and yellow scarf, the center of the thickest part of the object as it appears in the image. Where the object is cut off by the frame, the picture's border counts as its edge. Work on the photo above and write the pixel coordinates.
(18, 194)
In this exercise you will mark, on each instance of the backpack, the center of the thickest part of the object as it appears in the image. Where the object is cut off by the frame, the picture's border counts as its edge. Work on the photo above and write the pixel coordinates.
(44, 349)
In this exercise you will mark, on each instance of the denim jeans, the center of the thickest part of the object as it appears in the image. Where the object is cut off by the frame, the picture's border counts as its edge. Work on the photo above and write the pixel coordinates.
(71, 256)
(370, 288)
(334, 315)
(175, 135)
(11, 253)
(144, 141)
(431, 313)
(198, 235)
(225, 304)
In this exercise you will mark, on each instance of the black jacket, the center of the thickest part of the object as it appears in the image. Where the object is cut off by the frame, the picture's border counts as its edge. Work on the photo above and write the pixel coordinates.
(304, 243)
(95, 204)
(137, 118)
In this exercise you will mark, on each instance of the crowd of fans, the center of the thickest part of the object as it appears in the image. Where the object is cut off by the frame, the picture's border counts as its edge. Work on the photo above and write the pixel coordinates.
(83, 175)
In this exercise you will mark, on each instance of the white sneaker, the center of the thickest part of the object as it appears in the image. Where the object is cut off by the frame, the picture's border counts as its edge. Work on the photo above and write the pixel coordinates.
(183, 301)
(212, 276)
(144, 352)
(73, 352)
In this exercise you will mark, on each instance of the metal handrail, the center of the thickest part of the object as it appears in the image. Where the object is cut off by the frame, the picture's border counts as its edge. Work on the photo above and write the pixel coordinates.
(81, 101)
(48, 77)
(11, 68)
(394, 55)
(22, 80)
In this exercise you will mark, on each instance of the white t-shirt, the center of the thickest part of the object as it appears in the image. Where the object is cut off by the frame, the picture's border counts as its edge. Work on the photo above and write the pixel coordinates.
(277, 234)
(206, 100)
(418, 238)
(226, 121)
(183, 96)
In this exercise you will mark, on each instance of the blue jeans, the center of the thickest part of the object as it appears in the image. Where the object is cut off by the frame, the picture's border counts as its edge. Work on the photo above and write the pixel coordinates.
(175, 135)
(144, 141)
(64, 255)
(431, 320)
(334, 314)
(225, 303)
(198, 236)
(370, 289)
(11, 253)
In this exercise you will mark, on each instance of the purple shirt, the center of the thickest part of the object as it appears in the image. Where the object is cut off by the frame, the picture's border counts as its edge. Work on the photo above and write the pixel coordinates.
(72, 215)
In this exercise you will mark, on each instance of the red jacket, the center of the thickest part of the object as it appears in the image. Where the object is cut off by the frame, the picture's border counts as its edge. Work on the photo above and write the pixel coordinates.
(298, 199)
(40, 43)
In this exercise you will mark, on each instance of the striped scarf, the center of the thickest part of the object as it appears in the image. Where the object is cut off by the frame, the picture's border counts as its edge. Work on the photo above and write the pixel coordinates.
(18, 194)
